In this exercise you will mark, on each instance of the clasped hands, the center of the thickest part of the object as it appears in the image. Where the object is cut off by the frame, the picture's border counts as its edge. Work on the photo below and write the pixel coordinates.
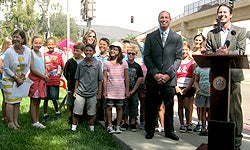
(20, 79)
(222, 50)
(161, 78)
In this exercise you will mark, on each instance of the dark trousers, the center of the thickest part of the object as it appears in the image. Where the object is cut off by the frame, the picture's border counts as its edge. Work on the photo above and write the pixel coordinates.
(154, 97)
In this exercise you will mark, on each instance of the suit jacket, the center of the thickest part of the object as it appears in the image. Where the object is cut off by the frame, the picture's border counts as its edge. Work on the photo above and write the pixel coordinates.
(159, 59)
(237, 39)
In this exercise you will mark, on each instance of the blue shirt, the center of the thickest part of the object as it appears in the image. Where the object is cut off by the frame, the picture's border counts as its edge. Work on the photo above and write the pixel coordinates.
(204, 83)
(223, 35)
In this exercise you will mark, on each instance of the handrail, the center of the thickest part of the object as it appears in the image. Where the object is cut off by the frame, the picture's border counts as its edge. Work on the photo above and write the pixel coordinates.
(200, 5)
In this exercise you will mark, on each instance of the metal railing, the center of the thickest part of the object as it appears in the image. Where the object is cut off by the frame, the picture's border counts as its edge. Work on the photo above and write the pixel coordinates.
(200, 5)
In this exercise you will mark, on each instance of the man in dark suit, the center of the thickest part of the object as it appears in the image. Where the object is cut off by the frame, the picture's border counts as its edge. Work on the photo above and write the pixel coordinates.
(227, 39)
(162, 57)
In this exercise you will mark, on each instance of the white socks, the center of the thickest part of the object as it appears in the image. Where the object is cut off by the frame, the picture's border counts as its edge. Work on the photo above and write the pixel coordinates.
(92, 128)
(73, 128)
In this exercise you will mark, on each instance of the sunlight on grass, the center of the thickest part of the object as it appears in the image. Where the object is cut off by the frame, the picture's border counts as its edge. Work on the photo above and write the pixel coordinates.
(55, 136)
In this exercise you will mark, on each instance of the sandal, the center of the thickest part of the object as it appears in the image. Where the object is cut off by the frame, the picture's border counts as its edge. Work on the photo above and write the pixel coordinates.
(12, 126)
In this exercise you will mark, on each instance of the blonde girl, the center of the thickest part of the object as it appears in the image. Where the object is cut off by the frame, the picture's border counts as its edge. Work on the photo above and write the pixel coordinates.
(7, 42)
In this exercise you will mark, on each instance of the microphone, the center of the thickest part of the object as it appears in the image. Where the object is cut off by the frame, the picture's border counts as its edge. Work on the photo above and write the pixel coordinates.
(218, 22)
(227, 43)
(233, 33)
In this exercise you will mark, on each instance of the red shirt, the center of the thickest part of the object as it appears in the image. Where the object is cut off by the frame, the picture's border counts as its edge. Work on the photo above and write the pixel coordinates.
(52, 63)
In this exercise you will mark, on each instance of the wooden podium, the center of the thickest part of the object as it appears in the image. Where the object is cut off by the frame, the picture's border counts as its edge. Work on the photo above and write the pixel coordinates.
(221, 131)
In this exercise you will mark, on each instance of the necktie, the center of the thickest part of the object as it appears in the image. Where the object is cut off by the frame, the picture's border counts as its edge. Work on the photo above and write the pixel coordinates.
(163, 38)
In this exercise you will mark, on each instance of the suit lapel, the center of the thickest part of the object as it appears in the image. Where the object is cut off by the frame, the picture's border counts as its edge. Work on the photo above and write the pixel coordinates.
(217, 37)
(158, 37)
(168, 38)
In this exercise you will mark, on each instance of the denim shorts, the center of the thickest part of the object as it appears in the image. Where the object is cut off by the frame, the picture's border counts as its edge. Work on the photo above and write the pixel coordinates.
(52, 93)
(114, 102)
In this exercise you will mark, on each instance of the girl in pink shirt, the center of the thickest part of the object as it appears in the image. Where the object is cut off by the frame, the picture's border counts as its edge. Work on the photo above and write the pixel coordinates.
(115, 84)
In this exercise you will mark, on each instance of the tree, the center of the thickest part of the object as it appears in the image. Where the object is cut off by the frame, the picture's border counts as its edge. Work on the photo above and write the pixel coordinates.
(129, 37)
(59, 27)
(21, 14)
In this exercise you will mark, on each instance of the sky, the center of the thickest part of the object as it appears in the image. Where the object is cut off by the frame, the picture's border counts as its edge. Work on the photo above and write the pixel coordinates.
(118, 12)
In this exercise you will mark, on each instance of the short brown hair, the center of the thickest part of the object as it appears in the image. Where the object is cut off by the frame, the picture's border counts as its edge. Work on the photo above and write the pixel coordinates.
(225, 5)
(79, 45)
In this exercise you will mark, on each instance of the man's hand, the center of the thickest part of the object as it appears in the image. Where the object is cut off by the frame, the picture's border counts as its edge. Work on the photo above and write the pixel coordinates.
(165, 78)
(222, 50)
(158, 77)
(161, 78)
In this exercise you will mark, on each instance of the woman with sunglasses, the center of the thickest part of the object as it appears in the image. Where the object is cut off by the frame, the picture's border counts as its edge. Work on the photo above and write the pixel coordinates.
(89, 37)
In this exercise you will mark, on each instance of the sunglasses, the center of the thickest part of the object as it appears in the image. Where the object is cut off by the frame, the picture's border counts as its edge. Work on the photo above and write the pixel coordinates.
(131, 54)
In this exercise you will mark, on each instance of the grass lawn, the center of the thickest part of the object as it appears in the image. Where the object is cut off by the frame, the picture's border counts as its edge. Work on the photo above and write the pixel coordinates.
(55, 135)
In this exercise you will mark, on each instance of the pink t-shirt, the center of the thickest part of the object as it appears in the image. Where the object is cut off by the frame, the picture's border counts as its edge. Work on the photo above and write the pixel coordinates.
(116, 79)
(184, 74)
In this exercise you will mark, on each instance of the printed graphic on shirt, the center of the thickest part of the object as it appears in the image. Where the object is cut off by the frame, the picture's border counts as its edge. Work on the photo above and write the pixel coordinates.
(132, 76)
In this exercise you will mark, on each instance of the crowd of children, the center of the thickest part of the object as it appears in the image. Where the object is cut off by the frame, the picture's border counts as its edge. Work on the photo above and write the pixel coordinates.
(111, 79)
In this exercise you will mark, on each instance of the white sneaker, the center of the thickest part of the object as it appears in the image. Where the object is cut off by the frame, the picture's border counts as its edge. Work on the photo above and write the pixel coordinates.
(160, 129)
(110, 129)
(73, 127)
(41, 126)
(38, 125)
(92, 128)
(118, 130)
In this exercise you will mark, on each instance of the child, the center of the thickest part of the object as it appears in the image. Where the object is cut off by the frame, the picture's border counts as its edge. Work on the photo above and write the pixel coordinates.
(142, 97)
(103, 47)
(185, 89)
(88, 87)
(102, 57)
(161, 118)
(135, 79)
(54, 66)
(7, 42)
(116, 85)
(38, 76)
(199, 42)
(69, 73)
(202, 99)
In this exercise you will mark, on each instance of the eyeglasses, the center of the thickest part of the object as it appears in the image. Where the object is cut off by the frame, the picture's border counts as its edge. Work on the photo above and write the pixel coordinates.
(131, 53)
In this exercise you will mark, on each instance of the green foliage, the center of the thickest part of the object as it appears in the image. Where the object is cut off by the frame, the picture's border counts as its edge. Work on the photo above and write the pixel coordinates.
(21, 14)
(59, 27)
(129, 37)
(55, 136)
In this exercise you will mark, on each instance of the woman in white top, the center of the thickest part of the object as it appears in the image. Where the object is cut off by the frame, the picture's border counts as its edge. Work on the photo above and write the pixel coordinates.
(15, 67)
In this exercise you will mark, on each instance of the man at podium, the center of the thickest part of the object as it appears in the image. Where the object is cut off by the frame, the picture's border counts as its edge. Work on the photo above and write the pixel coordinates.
(227, 39)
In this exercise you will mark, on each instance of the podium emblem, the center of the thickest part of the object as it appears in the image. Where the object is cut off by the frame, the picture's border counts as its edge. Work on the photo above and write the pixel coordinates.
(219, 83)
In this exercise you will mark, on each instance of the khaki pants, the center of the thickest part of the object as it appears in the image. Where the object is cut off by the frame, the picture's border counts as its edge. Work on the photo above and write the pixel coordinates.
(236, 111)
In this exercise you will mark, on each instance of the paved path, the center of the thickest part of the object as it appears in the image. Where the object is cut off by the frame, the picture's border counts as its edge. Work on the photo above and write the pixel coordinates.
(188, 141)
